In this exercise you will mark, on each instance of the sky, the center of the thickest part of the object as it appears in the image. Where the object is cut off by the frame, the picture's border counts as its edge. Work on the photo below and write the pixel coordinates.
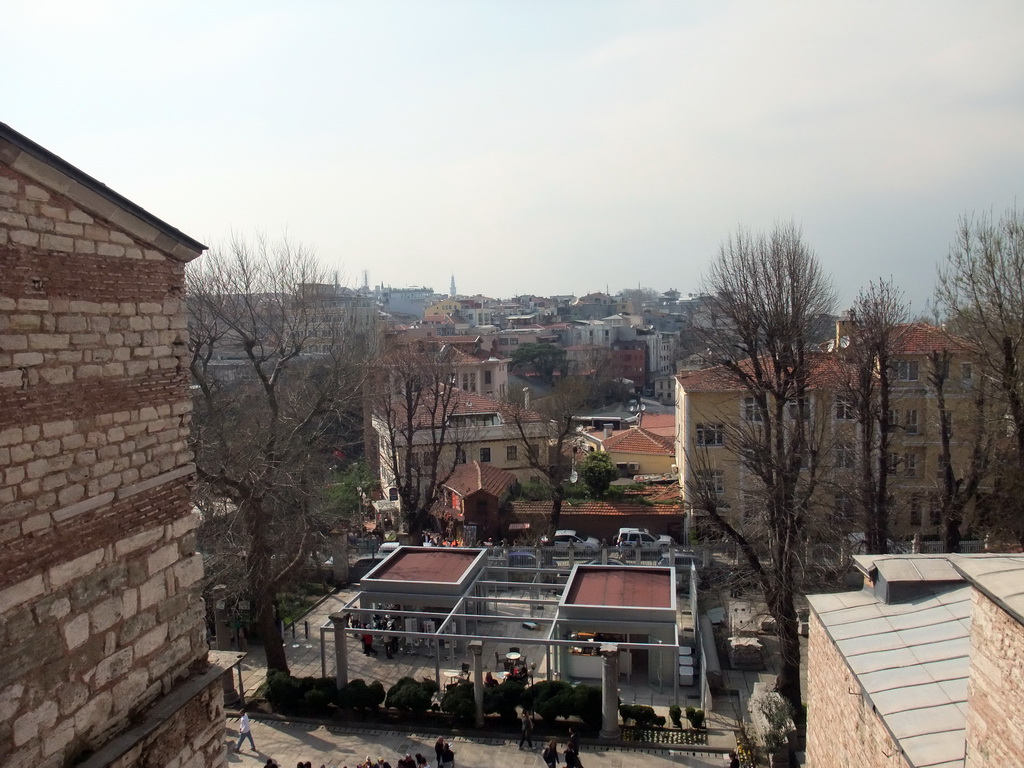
(538, 146)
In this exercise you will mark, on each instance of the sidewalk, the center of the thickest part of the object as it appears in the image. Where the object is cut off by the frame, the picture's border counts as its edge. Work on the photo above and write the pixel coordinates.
(336, 747)
(304, 660)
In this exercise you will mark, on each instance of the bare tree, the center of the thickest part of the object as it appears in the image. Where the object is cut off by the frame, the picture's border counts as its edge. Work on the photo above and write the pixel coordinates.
(414, 404)
(959, 482)
(266, 414)
(769, 290)
(867, 345)
(981, 290)
(547, 434)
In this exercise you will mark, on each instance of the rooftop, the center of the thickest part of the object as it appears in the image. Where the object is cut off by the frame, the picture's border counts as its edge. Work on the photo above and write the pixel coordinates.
(434, 565)
(621, 587)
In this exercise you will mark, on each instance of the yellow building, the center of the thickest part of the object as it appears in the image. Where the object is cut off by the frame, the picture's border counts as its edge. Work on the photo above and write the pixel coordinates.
(713, 409)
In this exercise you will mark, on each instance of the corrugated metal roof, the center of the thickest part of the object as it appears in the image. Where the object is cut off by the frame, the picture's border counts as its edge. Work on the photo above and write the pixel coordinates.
(911, 658)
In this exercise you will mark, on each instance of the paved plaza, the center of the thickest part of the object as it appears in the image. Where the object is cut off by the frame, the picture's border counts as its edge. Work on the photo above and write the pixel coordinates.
(338, 746)
(290, 743)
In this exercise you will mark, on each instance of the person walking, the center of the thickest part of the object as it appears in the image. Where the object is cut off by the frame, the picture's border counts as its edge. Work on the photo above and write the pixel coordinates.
(550, 754)
(439, 749)
(447, 757)
(244, 732)
(527, 732)
(572, 757)
(574, 740)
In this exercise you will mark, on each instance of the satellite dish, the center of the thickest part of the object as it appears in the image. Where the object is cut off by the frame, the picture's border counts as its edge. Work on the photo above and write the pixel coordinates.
(574, 476)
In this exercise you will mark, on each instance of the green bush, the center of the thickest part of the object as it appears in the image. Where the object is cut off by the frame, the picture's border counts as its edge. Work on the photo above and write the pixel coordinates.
(287, 692)
(358, 695)
(587, 704)
(550, 699)
(676, 715)
(641, 714)
(458, 701)
(317, 699)
(410, 695)
(696, 717)
(503, 700)
(659, 721)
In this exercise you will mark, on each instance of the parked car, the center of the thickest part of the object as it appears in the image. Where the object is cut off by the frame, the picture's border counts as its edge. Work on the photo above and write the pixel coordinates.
(683, 561)
(641, 537)
(567, 538)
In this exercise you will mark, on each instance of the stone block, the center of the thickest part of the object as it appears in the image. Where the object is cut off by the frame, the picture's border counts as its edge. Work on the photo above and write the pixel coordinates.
(138, 541)
(21, 593)
(76, 631)
(93, 715)
(105, 615)
(61, 574)
(26, 727)
(113, 667)
(151, 641)
(57, 243)
(162, 559)
(24, 237)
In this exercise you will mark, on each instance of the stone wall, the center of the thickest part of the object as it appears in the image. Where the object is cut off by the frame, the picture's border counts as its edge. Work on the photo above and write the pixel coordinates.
(843, 730)
(995, 716)
(99, 580)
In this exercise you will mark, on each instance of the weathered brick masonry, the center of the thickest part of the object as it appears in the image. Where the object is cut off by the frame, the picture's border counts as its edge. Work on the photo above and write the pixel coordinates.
(843, 729)
(995, 719)
(99, 577)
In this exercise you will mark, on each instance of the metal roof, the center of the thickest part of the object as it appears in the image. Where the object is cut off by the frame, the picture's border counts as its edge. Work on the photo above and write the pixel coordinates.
(911, 659)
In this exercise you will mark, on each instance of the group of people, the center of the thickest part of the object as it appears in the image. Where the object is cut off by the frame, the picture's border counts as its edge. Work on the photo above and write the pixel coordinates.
(570, 755)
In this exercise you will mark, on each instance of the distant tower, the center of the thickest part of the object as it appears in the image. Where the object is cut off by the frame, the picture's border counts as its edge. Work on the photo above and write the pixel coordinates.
(366, 280)
(451, 291)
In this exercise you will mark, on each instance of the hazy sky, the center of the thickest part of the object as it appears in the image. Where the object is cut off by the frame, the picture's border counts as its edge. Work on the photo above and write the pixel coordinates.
(538, 146)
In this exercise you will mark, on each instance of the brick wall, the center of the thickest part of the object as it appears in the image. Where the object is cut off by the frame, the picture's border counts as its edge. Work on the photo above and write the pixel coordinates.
(843, 730)
(995, 716)
(99, 598)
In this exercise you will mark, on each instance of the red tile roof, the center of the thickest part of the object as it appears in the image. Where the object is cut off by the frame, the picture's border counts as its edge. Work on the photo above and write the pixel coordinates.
(610, 508)
(470, 478)
(826, 371)
(660, 424)
(621, 587)
(639, 440)
(922, 339)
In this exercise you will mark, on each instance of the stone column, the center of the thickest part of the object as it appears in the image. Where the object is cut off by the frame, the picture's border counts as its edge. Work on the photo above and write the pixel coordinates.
(610, 692)
(222, 639)
(339, 554)
(340, 650)
(476, 648)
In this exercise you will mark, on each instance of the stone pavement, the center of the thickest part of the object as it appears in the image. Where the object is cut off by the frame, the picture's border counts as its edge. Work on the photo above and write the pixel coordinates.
(304, 659)
(335, 747)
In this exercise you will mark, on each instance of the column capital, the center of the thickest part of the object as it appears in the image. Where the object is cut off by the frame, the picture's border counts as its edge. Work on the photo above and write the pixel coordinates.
(476, 647)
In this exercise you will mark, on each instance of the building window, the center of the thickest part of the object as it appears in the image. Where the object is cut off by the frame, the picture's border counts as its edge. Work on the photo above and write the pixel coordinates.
(846, 456)
(910, 465)
(910, 425)
(487, 377)
(915, 510)
(844, 506)
(460, 455)
(935, 511)
(894, 419)
(751, 411)
(795, 407)
(485, 455)
(844, 407)
(710, 434)
(894, 462)
(906, 370)
(511, 452)
(712, 481)
(966, 374)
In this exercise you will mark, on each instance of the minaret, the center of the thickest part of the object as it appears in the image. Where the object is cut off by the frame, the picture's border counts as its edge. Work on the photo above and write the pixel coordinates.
(451, 291)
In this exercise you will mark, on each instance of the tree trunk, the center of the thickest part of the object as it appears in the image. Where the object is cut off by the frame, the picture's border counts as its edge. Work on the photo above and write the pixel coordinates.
(782, 607)
(273, 643)
(557, 494)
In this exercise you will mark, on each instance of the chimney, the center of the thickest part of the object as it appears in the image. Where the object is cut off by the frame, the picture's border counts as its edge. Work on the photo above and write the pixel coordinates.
(607, 431)
(844, 324)
(526, 397)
